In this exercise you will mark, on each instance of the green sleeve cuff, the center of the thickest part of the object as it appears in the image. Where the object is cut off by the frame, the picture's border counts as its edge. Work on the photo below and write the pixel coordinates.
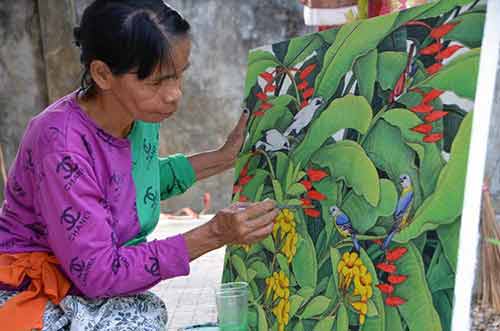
(177, 175)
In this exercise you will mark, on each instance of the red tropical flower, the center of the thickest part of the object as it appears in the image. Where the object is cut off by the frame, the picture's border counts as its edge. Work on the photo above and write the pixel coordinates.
(396, 254)
(267, 76)
(394, 301)
(432, 95)
(434, 68)
(270, 88)
(448, 52)
(312, 212)
(435, 115)
(386, 288)
(422, 108)
(258, 113)
(302, 86)
(307, 71)
(443, 30)
(306, 202)
(397, 279)
(432, 138)
(308, 93)
(243, 198)
(245, 180)
(423, 128)
(431, 49)
(315, 195)
(387, 267)
(307, 184)
(316, 175)
(266, 106)
(237, 188)
(261, 96)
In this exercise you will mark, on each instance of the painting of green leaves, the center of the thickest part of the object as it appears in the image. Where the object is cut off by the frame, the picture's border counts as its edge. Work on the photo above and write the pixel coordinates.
(361, 134)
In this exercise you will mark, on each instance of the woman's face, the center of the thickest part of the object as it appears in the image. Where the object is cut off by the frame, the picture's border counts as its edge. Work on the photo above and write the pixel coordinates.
(157, 97)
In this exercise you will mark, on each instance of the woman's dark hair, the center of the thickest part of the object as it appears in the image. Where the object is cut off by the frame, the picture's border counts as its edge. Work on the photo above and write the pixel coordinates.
(127, 35)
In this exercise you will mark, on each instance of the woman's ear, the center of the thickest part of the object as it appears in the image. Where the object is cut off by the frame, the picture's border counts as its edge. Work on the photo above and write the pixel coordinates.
(101, 74)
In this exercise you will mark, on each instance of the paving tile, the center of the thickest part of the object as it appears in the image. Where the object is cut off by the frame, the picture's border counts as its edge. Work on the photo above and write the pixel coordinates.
(190, 300)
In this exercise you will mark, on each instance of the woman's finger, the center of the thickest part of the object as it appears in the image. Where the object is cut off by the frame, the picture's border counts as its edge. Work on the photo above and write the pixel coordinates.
(259, 208)
(263, 220)
(260, 234)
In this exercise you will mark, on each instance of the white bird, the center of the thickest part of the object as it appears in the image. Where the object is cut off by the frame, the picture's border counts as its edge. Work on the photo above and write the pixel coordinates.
(304, 116)
(274, 141)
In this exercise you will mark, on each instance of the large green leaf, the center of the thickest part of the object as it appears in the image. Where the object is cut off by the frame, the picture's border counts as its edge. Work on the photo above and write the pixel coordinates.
(258, 62)
(347, 161)
(390, 67)
(304, 264)
(449, 236)
(262, 326)
(363, 215)
(376, 322)
(433, 9)
(301, 48)
(445, 204)
(418, 311)
(365, 70)
(443, 301)
(349, 112)
(278, 113)
(316, 307)
(388, 151)
(452, 76)
(392, 319)
(439, 274)
(353, 40)
(325, 324)
(250, 190)
(342, 320)
(431, 161)
(469, 30)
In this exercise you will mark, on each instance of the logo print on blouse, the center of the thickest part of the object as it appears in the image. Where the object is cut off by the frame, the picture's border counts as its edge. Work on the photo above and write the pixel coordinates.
(115, 183)
(74, 222)
(87, 146)
(38, 229)
(80, 268)
(154, 269)
(70, 171)
(118, 260)
(151, 196)
(29, 166)
(17, 189)
(149, 150)
(107, 138)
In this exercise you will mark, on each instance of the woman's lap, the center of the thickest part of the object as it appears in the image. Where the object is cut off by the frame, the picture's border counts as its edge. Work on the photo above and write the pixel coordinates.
(142, 312)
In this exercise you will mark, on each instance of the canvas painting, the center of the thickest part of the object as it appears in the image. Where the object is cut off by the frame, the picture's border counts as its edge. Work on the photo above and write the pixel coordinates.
(361, 134)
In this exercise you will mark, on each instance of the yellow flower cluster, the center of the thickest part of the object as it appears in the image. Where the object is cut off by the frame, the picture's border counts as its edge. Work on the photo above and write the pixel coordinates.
(278, 284)
(285, 226)
(352, 270)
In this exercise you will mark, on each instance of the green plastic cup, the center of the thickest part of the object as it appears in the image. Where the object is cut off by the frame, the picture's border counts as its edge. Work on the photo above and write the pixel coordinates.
(232, 306)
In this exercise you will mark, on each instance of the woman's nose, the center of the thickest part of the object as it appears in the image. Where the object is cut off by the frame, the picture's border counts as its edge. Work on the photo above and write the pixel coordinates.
(173, 93)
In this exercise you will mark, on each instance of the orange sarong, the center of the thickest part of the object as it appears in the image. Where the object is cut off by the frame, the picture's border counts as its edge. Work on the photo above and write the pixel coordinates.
(25, 310)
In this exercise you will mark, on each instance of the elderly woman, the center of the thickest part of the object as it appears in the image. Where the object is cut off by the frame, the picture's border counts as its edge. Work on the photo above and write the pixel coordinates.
(84, 191)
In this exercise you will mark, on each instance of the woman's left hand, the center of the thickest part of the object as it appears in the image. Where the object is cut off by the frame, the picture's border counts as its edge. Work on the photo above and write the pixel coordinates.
(235, 140)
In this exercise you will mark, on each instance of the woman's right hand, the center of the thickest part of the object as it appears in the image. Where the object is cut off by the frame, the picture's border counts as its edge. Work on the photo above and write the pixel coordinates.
(245, 223)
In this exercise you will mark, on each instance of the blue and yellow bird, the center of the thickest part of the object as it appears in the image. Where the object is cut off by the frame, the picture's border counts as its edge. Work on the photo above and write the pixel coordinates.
(403, 209)
(344, 225)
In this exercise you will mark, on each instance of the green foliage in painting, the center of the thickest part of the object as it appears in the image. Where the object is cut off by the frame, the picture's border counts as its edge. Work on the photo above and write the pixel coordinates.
(364, 130)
